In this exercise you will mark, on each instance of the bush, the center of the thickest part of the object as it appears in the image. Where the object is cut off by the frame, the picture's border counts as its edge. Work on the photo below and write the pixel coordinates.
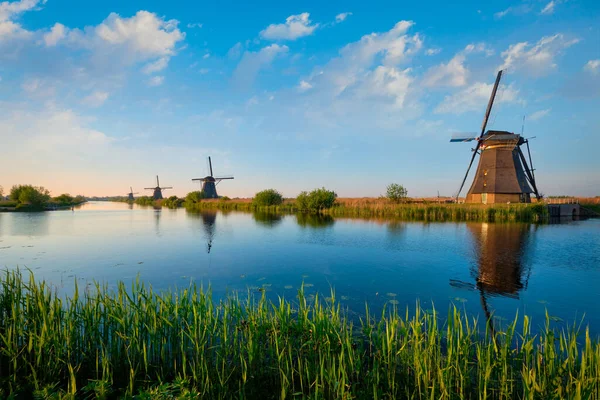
(64, 199)
(144, 201)
(316, 200)
(194, 197)
(172, 202)
(396, 193)
(268, 197)
(34, 196)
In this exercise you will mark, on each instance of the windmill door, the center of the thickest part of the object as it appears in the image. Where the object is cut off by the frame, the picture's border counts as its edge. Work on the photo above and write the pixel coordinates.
(484, 198)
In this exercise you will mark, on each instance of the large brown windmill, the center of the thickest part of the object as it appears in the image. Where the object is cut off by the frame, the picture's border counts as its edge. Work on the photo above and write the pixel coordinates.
(157, 195)
(503, 174)
(209, 183)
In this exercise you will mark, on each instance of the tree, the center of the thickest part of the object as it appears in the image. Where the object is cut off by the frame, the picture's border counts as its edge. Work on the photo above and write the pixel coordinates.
(194, 197)
(35, 196)
(316, 200)
(396, 193)
(1, 191)
(64, 198)
(268, 197)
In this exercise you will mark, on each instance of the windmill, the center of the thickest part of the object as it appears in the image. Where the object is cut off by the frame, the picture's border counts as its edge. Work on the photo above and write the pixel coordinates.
(503, 174)
(209, 183)
(158, 190)
(130, 195)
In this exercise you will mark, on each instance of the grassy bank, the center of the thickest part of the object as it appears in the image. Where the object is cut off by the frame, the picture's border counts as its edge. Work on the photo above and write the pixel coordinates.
(378, 208)
(106, 344)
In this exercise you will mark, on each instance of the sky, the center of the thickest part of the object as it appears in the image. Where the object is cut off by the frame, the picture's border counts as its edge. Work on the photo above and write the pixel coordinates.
(96, 97)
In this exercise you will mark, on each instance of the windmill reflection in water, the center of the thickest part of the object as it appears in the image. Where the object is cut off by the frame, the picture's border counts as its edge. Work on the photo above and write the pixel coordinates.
(501, 268)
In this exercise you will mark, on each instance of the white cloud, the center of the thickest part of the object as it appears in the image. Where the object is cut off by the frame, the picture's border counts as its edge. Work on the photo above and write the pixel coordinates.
(536, 60)
(592, 66)
(539, 114)
(140, 38)
(387, 82)
(156, 81)
(207, 55)
(252, 62)
(156, 66)
(96, 99)
(204, 71)
(9, 11)
(548, 9)
(57, 33)
(194, 25)
(514, 10)
(433, 51)
(303, 86)
(475, 98)
(342, 17)
(453, 73)
(501, 14)
(235, 51)
(295, 26)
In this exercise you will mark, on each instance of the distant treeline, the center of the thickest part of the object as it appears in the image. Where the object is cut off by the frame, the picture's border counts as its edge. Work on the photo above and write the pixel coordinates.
(37, 198)
(395, 206)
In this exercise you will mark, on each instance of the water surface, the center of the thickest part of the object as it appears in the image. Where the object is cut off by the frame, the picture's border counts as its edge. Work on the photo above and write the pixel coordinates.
(498, 269)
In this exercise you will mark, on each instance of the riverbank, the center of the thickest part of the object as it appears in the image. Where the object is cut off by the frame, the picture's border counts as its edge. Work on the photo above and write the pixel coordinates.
(11, 206)
(135, 341)
(380, 208)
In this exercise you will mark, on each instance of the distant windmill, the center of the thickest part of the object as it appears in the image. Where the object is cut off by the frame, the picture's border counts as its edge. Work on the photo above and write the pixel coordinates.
(209, 183)
(158, 190)
(130, 195)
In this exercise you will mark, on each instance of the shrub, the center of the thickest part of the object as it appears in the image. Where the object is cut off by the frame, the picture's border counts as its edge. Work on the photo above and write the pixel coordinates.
(396, 193)
(64, 199)
(195, 197)
(268, 197)
(144, 201)
(172, 202)
(316, 200)
(34, 196)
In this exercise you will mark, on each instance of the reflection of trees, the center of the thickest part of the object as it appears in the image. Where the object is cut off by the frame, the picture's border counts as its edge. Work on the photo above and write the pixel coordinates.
(267, 218)
(314, 220)
(396, 228)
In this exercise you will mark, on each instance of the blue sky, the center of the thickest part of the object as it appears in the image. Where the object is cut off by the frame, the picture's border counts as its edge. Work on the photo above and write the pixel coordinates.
(99, 96)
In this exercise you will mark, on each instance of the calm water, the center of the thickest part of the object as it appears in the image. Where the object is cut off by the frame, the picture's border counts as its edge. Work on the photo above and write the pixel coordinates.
(498, 268)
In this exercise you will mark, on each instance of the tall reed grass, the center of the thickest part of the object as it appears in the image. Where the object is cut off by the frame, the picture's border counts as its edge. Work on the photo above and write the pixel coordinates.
(410, 211)
(133, 341)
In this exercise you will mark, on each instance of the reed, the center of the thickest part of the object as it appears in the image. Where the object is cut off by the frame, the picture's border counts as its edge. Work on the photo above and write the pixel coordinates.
(375, 208)
(132, 341)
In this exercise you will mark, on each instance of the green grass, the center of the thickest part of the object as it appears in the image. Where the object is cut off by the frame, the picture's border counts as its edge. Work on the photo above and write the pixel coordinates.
(136, 343)
(408, 212)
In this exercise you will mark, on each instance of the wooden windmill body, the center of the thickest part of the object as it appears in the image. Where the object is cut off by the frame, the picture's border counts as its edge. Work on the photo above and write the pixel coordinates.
(503, 174)
(209, 183)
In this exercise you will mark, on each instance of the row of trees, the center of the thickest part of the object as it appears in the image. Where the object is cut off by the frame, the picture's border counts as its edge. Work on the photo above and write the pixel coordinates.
(38, 197)
(315, 200)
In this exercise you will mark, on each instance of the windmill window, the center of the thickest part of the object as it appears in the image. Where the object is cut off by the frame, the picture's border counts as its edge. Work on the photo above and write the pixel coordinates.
(485, 172)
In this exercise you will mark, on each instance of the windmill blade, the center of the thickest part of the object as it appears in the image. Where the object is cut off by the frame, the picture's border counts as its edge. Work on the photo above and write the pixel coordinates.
(166, 187)
(224, 177)
(157, 184)
(210, 166)
(463, 136)
(467, 174)
(490, 103)
(149, 188)
(199, 179)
